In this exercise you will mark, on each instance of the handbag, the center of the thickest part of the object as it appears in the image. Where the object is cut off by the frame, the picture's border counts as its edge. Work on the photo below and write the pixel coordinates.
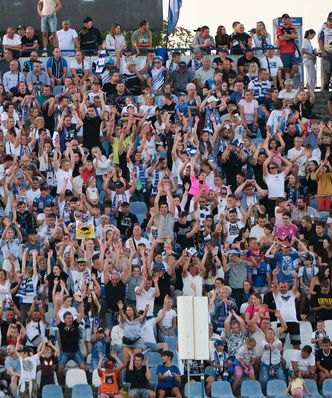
(128, 341)
(272, 368)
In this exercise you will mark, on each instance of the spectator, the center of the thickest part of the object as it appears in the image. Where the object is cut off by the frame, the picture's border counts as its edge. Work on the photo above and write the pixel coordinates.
(222, 39)
(90, 37)
(47, 11)
(324, 46)
(68, 38)
(323, 360)
(304, 362)
(309, 58)
(168, 376)
(204, 41)
(29, 42)
(12, 41)
(141, 39)
(115, 41)
(13, 76)
(57, 68)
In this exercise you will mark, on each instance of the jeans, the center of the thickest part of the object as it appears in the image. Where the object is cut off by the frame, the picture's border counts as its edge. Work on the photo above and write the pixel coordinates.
(327, 69)
(111, 319)
(48, 23)
(264, 375)
(75, 356)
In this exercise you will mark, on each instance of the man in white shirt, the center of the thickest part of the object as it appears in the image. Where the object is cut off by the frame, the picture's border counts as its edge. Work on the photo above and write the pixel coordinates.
(145, 294)
(13, 76)
(11, 40)
(297, 154)
(68, 38)
(285, 303)
(288, 93)
(304, 362)
(257, 231)
(272, 63)
(193, 273)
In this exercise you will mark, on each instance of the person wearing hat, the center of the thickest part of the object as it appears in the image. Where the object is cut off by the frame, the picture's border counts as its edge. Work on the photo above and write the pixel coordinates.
(89, 36)
(204, 40)
(108, 374)
(157, 76)
(99, 339)
(325, 47)
(219, 361)
(244, 61)
(286, 35)
(259, 272)
(141, 39)
(272, 63)
(47, 10)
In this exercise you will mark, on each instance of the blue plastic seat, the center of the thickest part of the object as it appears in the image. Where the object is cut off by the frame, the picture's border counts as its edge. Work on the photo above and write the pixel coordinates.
(52, 391)
(81, 390)
(327, 388)
(172, 342)
(221, 389)
(276, 388)
(139, 209)
(58, 89)
(154, 359)
(251, 389)
(195, 390)
(312, 387)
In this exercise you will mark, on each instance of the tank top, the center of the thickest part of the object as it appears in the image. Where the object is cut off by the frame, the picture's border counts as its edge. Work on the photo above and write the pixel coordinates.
(48, 7)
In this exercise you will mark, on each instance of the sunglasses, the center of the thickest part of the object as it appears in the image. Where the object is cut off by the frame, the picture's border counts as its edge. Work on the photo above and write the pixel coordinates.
(272, 168)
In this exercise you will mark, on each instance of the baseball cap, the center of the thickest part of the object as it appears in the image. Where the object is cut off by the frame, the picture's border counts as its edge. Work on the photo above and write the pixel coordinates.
(159, 58)
(96, 81)
(182, 214)
(110, 60)
(87, 19)
(285, 243)
(20, 27)
(68, 192)
(119, 184)
(182, 64)
(253, 30)
(212, 99)
(197, 50)
(270, 47)
(219, 343)
(285, 16)
(248, 49)
(100, 330)
(81, 260)
(182, 94)
(19, 174)
(44, 187)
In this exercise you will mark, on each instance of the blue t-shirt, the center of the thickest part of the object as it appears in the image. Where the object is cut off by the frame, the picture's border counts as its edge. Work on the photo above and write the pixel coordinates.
(286, 265)
(98, 346)
(170, 381)
(259, 274)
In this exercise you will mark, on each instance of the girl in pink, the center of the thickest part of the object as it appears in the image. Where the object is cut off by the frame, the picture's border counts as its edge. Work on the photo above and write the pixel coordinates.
(296, 385)
(198, 183)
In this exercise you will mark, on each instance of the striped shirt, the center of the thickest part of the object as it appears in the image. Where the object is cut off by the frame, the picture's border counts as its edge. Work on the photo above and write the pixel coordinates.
(158, 77)
(260, 88)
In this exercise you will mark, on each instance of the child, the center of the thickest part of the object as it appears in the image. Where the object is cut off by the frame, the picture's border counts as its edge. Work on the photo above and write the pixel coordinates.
(109, 384)
(318, 335)
(297, 385)
(181, 108)
(168, 377)
(99, 339)
(48, 363)
(219, 360)
(91, 192)
(243, 362)
(307, 272)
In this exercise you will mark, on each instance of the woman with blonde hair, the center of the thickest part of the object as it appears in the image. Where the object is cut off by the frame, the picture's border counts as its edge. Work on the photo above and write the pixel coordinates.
(115, 41)
(261, 38)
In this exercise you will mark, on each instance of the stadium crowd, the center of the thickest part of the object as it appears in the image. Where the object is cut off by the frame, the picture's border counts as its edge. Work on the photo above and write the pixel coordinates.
(133, 180)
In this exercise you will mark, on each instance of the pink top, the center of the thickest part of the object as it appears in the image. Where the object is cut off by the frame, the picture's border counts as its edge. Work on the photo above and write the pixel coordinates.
(251, 310)
(196, 187)
(283, 232)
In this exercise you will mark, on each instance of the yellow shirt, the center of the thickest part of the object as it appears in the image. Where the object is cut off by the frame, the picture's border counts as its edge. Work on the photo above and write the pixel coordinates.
(297, 383)
(115, 147)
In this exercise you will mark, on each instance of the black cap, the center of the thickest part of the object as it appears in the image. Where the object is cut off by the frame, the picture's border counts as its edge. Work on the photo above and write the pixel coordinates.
(20, 27)
(24, 349)
(182, 64)
(330, 15)
(87, 19)
(96, 81)
(100, 330)
(182, 214)
(119, 184)
(248, 49)
(74, 199)
(285, 16)
(253, 30)
(68, 192)
(44, 187)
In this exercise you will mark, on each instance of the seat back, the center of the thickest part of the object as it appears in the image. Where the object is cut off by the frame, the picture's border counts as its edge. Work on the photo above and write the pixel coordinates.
(195, 390)
(312, 387)
(154, 359)
(81, 390)
(75, 376)
(276, 388)
(305, 332)
(52, 391)
(250, 388)
(327, 387)
(95, 378)
(221, 389)
(288, 356)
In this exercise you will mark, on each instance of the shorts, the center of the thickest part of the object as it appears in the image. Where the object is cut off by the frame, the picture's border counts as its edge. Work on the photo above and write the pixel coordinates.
(75, 356)
(151, 346)
(168, 391)
(24, 389)
(289, 59)
(238, 370)
(324, 202)
(48, 23)
(140, 392)
(293, 328)
(297, 392)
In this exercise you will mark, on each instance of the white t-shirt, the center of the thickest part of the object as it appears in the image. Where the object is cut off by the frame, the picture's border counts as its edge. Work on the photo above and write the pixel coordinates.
(79, 67)
(295, 152)
(233, 231)
(190, 280)
(167, 321)
(29, 367)
(273, 120)
(276, 185)
(147, 331)
(144, 241)
(15, 41)
(275, 63)
(64, 177)
(307, 46)
(32, 195)
(249, 109)
(256, 232)
(303, 364)
(145, 298)
(286, 304)
(67, 40)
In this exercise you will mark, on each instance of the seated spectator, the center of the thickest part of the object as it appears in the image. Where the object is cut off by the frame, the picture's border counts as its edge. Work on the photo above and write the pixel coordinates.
(304, 362)
(244, 362)
(138, 375)
(324, 360)
(109, 375)
(168, 377)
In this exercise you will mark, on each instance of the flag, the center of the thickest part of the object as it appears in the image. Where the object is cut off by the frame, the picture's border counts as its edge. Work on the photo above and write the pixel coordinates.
(173, 15)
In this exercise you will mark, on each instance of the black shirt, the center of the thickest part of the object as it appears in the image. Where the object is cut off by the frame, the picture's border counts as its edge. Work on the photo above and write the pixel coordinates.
(321, 300)
(317, 242)
(50, 278)
(114, 294)
(69, 337)
(137, 378)
(307, 234)
(325, 360)
(90, 38)
(28, 43)
(244, 61)
(91, 129)
(236, 40)
(181, 230)
(164, 284)
(126, 223)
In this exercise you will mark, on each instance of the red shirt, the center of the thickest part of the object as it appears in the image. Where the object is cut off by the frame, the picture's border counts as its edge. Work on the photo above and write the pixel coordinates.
(285, 46)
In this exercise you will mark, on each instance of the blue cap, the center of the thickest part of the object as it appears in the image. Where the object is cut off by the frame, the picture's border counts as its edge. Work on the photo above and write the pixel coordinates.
(219, 343)
(270, 47)
(110, 60)
(159, 57)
